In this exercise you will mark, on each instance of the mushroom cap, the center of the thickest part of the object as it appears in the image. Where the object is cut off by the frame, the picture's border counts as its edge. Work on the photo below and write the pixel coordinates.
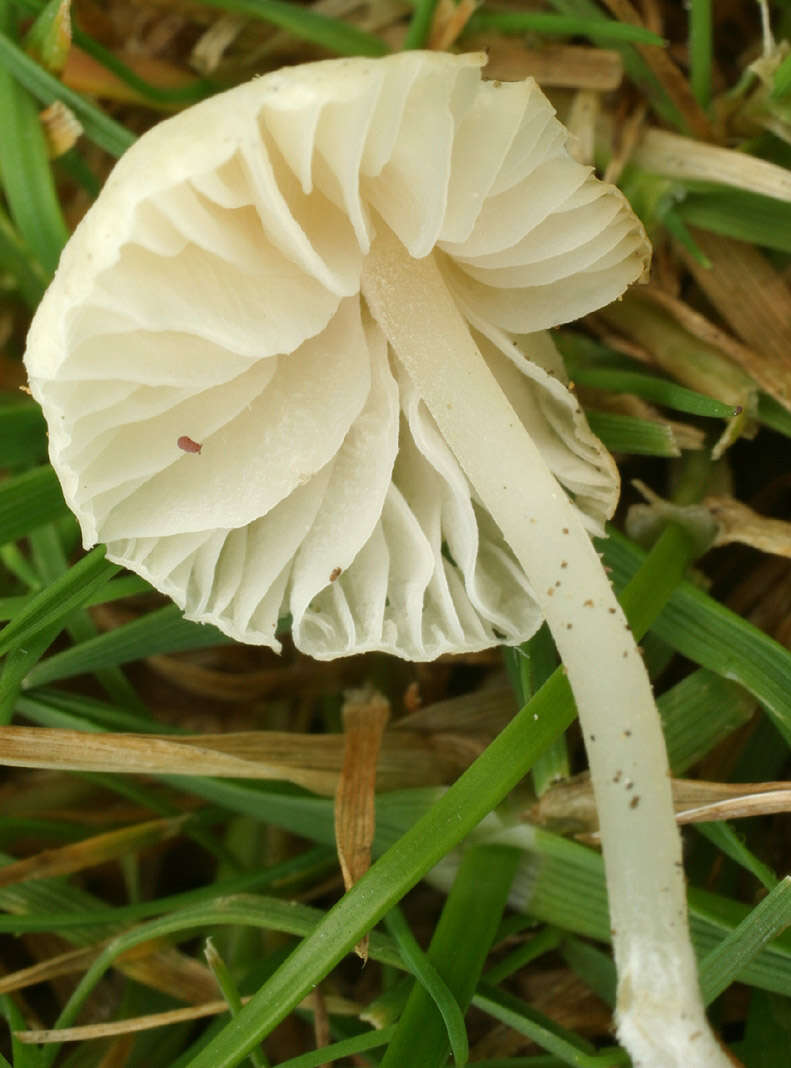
(225, 413)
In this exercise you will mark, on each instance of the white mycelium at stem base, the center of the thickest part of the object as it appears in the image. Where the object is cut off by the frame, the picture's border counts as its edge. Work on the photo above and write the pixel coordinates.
(657, 977)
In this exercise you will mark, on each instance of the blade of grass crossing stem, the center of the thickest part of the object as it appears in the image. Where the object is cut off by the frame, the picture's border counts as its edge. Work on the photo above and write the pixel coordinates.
(723, 836)
(29, 500)
(333, 34)
(458, 951)
(766, 920)
(706, 632)
(601, 31)
(99, 128)
(700, 50)
(567, 1046)
(162, 631)
(26, 172)
(480, 789)
(67, 593)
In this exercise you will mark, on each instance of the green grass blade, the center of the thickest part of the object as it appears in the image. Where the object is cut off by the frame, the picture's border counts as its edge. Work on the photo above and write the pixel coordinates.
(723, 836)
(699, 712)
(162, 631)
(595, 968)
(767, 1037)
(23, 433)
(100, 128)
(458, 951)
(24, 1056)
(27, 501)
(347, 1047)
(59, 599)
(700, 50)
(660, 390)
(774, 415)
(26, 173)
(417, 34)
(433, 1019)
(565, 1045)
(117, 590)
(766, 920)
(21, 265)
(627, 433)
(318, 859)
(601, 31)
(706, 632)
(333, 34)
(544, 942)
(737, 213)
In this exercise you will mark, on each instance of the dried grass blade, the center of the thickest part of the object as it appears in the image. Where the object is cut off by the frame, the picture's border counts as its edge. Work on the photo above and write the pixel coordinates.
(408, 758)
(737, 522)
(365, 716)
(755, 301)
(92, 851)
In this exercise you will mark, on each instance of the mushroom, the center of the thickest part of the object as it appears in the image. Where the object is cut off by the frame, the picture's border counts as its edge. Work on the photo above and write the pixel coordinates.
(295, 361)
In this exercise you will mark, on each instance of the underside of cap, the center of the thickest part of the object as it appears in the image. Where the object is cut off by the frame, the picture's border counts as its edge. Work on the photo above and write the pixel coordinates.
(225, 413)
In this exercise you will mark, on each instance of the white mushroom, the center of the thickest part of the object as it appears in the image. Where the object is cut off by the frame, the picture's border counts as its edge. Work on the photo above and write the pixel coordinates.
(293, 362)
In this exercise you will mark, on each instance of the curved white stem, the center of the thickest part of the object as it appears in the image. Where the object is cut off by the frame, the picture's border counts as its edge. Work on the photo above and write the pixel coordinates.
(661, 1020)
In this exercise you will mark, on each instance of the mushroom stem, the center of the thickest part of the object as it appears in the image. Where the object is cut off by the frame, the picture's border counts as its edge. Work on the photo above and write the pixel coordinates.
(661, 1020)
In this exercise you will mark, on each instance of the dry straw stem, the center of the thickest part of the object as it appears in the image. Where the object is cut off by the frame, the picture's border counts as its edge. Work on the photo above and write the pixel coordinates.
(337, 1006)
(555, 67)
(761, 370)
(695, 801)
(167, 970)
(755, 301)
(736, 522)
(313, 761)
(693, 362)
